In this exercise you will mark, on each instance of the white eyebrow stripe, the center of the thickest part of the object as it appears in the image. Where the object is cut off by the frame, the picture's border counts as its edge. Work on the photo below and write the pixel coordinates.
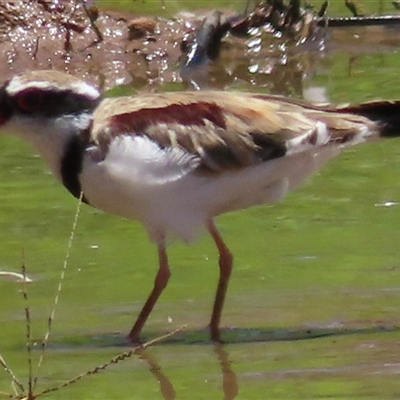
(82, 88)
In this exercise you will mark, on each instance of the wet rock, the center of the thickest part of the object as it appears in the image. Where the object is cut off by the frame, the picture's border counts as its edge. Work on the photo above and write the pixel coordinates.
(140, 27)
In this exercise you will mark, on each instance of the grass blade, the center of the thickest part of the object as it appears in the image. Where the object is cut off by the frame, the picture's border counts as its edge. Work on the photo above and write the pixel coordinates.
(59, 288)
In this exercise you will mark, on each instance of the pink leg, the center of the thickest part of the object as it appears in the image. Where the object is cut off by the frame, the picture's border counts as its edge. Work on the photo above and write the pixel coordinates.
(160, 283)
(225, 269)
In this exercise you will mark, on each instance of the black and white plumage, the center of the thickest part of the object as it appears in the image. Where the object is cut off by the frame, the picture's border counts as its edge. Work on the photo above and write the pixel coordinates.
(174, 161)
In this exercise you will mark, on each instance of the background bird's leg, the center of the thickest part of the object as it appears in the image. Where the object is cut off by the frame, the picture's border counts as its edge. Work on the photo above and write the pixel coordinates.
(225, 269)
(160, 283)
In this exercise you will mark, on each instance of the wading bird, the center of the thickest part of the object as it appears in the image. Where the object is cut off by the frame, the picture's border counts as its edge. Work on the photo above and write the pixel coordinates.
(174, 161)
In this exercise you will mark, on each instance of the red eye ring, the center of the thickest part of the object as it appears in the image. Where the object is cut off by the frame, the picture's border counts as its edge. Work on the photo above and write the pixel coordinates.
(30, 100)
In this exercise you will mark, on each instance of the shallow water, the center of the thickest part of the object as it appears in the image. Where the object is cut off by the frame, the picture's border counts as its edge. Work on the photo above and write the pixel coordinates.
(314, 300)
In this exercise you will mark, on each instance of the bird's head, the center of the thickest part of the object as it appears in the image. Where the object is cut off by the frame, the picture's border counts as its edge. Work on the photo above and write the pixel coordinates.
(42, 97)
(48, 109)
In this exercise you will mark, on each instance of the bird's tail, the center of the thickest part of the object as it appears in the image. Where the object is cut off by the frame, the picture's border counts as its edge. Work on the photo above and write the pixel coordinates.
(386, 113)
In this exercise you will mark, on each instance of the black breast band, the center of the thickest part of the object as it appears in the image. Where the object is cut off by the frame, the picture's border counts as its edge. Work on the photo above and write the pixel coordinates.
(71, 165)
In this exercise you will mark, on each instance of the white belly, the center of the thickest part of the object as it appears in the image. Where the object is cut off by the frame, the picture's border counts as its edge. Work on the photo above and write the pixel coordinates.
(162, 189)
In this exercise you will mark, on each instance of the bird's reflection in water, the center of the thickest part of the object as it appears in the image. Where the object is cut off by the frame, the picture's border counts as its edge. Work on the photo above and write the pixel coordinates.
(166, 386)
(229, 379)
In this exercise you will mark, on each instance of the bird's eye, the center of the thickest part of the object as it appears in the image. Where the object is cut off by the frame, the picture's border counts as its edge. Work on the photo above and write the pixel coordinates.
(29, 100)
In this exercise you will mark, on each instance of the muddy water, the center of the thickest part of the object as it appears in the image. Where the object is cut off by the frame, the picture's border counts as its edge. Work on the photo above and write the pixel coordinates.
(314, 302)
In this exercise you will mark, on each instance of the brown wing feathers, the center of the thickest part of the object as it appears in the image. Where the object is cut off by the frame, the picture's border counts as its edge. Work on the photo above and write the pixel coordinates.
(232, 130)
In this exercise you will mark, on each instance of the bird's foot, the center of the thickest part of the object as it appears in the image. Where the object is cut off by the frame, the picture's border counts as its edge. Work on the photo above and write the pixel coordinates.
(215, 334)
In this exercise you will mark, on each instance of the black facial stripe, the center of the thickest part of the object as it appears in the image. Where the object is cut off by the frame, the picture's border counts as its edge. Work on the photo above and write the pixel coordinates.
(54, 103)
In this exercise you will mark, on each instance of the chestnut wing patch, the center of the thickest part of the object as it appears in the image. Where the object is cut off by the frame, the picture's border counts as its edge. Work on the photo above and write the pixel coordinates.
(231, 131)
(221, 138)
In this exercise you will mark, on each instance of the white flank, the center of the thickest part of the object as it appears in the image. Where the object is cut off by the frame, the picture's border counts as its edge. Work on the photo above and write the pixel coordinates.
(144, 158)
(139, 180)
